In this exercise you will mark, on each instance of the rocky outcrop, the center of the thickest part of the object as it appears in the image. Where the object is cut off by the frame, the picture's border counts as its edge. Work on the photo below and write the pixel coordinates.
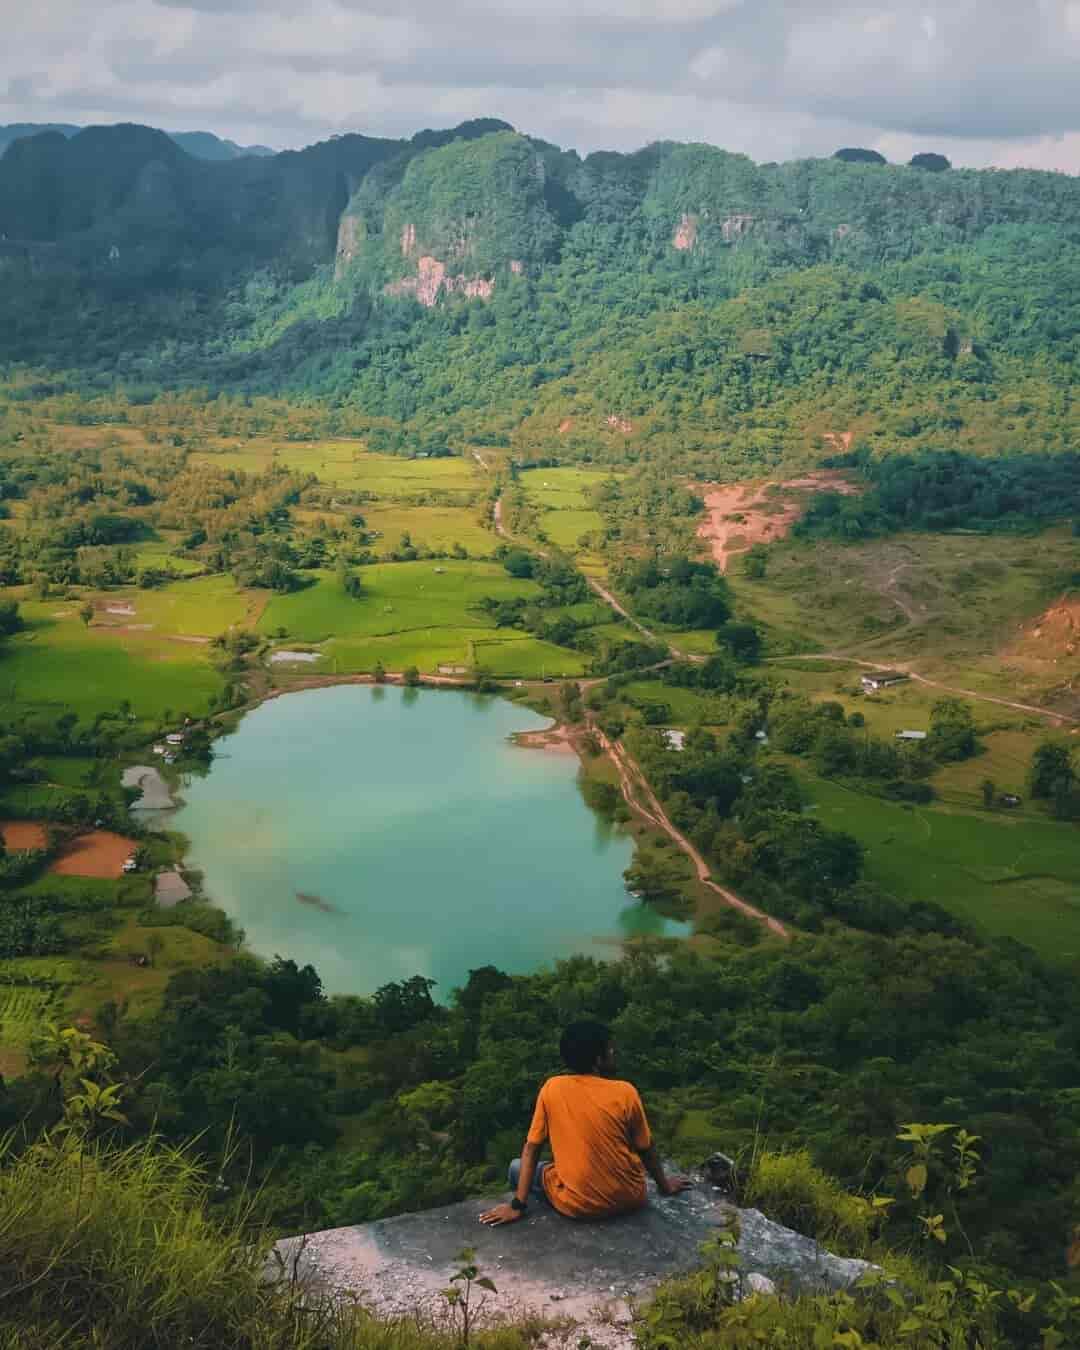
(734, 227)
(685, 236)
(588, 1272)
(349, 240)
(432, 280)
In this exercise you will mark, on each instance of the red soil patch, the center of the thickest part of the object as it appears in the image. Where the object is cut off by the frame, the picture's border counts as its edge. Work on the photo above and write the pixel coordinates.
(565, 425)
(764, 516)
(99, 853)
(22, 835)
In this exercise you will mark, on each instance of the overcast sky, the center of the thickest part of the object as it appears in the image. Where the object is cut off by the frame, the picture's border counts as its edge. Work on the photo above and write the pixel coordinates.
(984, 81)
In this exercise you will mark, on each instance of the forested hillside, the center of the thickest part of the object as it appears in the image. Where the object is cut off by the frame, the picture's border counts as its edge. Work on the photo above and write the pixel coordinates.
(482, 287)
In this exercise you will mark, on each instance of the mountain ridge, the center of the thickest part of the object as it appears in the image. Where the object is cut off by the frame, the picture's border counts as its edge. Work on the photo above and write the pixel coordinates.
(477, 283)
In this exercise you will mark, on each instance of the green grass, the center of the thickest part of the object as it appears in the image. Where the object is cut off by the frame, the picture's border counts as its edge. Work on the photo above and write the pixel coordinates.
(562, 489)
(200, 607)
(686, 705)
(503, 652)
(1014, 877)
(398, 598)
(433, 527)
(158, 553)
(58, 663)
(967, 597)
(565, 528)
(347, 464)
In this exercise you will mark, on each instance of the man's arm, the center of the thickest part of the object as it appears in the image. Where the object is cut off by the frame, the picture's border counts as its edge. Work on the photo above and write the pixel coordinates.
(664, 1184)
(506, 1213)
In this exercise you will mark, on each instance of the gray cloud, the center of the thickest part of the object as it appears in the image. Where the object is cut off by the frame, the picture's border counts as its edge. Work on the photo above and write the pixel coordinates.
(986, 81)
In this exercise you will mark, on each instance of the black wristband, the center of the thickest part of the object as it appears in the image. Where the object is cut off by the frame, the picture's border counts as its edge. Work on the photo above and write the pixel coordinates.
(519, 1205)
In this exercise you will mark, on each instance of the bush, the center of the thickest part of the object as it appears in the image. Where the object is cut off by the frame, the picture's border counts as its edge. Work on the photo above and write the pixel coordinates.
(788, 1188)
(118, 1251)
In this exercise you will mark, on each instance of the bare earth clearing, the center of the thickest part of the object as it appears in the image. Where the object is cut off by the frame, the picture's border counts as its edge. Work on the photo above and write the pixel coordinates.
(740, 515)
(20, 836)
(100, 853)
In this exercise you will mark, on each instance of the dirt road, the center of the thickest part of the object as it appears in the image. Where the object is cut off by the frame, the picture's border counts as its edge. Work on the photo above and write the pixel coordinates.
(640, 797)
(592, 584)
(1057, 717)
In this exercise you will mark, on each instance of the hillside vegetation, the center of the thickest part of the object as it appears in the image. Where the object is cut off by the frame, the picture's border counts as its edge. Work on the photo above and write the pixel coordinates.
(680, 304)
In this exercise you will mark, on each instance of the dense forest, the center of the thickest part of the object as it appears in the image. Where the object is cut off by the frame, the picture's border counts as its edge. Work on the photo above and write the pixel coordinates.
(481, 287)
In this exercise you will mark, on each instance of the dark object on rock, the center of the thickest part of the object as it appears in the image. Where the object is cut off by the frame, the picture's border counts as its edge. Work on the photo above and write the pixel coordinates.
(857, 155)
(931, 162)
(721, 1173)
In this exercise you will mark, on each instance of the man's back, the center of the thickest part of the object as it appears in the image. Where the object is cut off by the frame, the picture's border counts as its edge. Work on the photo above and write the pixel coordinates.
(596, 1126)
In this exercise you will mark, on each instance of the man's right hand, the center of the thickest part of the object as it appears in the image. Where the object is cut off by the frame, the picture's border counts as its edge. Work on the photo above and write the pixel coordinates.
(501, 1214)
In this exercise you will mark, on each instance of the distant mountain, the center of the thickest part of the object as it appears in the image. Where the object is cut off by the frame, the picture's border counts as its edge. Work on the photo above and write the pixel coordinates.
(476, 284)
(201, 144)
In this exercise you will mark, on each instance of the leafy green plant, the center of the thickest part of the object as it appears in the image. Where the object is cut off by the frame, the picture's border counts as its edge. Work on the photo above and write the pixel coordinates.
(461, 1298)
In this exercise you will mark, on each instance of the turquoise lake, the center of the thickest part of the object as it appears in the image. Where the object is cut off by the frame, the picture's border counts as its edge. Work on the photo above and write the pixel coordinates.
(383, 832)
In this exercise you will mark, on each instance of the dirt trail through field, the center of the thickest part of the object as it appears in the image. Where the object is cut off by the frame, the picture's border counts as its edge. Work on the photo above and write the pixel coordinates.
(764, 513)
(593, 585)
(640, 797)
(1058, 717)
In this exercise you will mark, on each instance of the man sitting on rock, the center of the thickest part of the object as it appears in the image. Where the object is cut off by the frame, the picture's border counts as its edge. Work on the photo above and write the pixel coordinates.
(599, 1137)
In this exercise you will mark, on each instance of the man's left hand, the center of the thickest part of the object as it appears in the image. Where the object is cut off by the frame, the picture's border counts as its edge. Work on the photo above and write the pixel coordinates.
(674, 1185)
(501, 1214)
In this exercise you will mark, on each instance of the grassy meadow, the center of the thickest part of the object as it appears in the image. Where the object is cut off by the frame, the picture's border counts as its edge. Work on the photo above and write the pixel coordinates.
(954, 605)
(1012, 876)
(57, 662)
(348, 465)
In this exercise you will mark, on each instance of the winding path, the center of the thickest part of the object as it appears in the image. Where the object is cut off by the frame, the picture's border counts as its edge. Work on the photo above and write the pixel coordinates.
(1058, 717)
(635, 786)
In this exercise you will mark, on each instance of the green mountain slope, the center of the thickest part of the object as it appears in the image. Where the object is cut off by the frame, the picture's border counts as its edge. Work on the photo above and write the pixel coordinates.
(484, 286)
(201, 144)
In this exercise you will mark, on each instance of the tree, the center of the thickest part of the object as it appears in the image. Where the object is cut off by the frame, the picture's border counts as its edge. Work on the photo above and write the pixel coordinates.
(518, 563)
(379, 673)
(10, 619)
(742, 640)
(952, 731)
(1052, 770)
(858, 155)
(755, 562)
(930, 161)
(86, 613)
(410, 677)
(989, 792)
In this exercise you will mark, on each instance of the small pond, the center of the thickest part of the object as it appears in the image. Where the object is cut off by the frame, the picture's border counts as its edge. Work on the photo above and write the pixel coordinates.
(381, 832)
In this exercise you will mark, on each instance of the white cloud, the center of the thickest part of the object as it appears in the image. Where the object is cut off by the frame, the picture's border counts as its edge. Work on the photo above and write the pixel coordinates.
(984, 81)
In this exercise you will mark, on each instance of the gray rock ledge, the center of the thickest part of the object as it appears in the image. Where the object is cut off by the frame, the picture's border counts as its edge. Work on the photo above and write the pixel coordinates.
(590, 1273)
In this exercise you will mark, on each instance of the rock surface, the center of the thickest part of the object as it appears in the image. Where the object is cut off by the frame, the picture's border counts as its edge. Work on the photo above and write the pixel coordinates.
(590, 1273)
(155, 791)
(170, 888)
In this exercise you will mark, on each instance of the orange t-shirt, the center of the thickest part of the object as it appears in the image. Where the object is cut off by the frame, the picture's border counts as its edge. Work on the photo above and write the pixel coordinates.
(596, 1126)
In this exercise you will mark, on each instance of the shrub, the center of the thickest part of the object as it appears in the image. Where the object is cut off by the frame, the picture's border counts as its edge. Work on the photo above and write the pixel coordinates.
(790, 1189)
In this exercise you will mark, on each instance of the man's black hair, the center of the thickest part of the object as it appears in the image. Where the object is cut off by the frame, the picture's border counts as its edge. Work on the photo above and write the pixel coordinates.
(582, 1044)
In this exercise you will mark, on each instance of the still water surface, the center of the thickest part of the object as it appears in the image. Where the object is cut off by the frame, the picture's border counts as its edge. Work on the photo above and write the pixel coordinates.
(383, 832)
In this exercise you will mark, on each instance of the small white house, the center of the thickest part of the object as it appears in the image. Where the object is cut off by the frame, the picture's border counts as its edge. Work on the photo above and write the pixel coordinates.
(175, 738)
(911, 735)
(159, 750)
(882, 679)
(675, 740)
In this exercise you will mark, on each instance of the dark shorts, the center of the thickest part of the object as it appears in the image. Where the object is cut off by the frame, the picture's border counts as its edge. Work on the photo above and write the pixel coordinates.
(537, 1187)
